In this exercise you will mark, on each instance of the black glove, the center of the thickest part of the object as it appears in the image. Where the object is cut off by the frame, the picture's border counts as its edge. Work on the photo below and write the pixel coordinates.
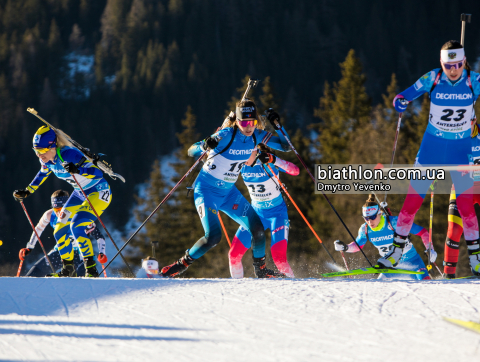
(274, 118)
(19, 195)
(70, 167)
(265, 157)
(211, 142)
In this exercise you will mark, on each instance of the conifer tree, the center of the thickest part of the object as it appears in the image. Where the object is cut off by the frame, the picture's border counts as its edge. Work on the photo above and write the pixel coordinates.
(343, 109)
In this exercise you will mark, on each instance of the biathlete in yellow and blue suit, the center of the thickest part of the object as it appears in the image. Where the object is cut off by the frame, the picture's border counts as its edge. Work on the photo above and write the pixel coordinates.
(66, 162)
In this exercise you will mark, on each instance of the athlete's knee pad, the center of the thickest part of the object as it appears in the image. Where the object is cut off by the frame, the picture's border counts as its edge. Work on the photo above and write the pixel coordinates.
(211, 239)
(258, 233)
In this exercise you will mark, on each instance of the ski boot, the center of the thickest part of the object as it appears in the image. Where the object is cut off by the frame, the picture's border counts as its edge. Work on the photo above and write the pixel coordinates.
(177, 268)
(68, 270)
(90, 267)
(474, 256)
(261, 270)
(392, 258)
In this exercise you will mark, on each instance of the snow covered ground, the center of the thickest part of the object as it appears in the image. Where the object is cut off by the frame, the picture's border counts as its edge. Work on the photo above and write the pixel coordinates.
(45, 319)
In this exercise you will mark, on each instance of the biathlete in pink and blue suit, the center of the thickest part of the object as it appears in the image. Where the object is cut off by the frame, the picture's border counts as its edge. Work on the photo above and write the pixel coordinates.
(268, 203)
(453, 89)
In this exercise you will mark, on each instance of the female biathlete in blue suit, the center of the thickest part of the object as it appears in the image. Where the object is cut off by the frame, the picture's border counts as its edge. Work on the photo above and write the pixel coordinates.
(56, 156)
(268, 203)
(453, 91)
(378, 229)
(215, 190)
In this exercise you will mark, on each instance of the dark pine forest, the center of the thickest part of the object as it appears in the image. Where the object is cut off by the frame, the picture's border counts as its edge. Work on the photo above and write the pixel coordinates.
(141, 79)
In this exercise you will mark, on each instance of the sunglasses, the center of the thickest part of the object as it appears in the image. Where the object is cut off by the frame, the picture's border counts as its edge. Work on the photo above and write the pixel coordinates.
(453, 65)
(373, 217)
(41, 151)
(247, 123)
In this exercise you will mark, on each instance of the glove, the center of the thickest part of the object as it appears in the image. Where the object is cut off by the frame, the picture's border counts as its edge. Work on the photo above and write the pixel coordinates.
(19, 195)
(340, 245)
(266, 157)
(102, 258)
(274, 118)
(433, 255)
(210, 142)
(70, 167)
(400, 103)
(23, 253)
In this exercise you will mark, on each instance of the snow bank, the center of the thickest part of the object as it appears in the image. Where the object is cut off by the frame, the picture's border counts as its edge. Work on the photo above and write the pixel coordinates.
(236, 320)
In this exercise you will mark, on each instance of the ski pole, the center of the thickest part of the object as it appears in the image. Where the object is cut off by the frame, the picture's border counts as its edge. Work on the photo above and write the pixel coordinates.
(154, 211)
(38, 237)
(430, 244)
(101, 222)
(429, 248)
(104, 272)
(301, 213)
(344, 260)
(224, 230)
(20, 268)
(394, 149)
(324, 195)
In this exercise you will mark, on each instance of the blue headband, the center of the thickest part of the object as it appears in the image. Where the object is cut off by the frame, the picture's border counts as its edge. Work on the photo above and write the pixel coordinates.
(370, 210)
(59, 201)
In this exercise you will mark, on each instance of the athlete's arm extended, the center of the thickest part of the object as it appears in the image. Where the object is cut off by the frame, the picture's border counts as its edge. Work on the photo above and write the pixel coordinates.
(42, 224)
(87, 169)
(361, 241)
(287, 167)
(39, 179)
(223, 137)
(421, 86)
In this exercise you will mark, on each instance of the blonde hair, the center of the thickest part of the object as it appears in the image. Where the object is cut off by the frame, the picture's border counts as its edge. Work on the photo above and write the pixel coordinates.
(62, 139)
(370, 201)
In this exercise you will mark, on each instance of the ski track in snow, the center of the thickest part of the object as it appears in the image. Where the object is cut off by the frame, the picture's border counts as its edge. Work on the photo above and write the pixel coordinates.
(60, 319)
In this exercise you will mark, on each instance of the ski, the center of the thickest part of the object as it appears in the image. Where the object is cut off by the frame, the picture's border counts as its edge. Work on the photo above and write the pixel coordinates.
(472, 326)
(369, 271)
(92, 157)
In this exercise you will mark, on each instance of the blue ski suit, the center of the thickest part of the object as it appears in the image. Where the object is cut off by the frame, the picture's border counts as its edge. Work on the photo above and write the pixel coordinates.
(215, 188)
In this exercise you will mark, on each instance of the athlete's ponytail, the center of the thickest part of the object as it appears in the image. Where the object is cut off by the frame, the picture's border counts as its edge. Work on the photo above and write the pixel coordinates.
(370, 201)
(455, 44)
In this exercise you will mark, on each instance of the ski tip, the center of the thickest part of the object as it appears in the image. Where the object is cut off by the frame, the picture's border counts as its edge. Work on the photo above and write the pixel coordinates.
(32, 111)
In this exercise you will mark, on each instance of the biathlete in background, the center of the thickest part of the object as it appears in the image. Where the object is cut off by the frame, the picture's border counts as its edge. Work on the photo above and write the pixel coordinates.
(267, 201)
(149, 268)
(64, 161)
(379, 230)
(455, 224)
(214, 190)
(453, 89)
(50, 217)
